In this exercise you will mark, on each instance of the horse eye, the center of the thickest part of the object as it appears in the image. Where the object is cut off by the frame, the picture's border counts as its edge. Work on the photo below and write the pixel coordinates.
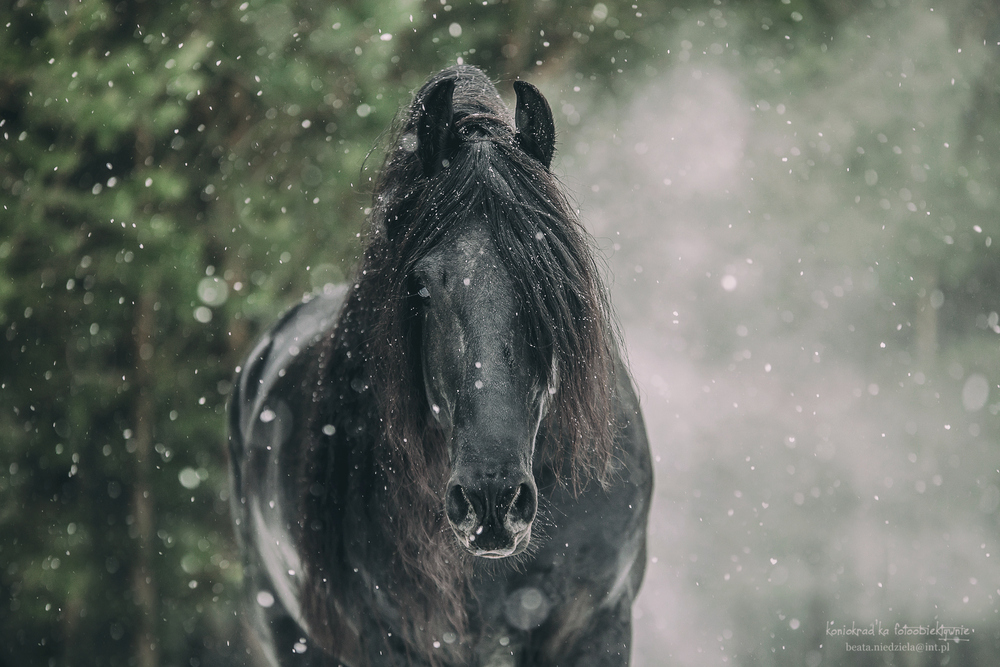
(424, 292)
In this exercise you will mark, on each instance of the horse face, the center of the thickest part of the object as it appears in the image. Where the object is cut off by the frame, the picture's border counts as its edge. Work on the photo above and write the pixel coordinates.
(482, 391)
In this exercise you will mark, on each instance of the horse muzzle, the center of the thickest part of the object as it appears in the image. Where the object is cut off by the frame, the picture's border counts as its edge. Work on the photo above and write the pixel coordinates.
(492, 518)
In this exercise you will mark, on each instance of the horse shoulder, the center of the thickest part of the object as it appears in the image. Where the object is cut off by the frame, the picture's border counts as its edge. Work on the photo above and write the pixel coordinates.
(267, 411)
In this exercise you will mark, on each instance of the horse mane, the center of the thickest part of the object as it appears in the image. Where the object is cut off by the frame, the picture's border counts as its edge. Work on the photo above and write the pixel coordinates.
(566, 318)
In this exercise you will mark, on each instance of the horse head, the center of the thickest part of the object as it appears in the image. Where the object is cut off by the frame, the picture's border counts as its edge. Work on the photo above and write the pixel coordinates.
(498, 341)
(483, 385)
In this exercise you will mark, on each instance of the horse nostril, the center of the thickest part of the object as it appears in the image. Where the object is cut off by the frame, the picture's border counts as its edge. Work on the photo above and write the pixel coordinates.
(457, 504)
(490, 513)
(523, 505)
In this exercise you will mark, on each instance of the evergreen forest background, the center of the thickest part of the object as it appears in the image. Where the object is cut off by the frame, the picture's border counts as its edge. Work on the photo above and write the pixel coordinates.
(796, 201)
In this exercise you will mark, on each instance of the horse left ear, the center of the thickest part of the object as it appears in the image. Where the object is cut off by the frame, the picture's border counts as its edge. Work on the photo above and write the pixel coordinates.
(536, 132)
(436, 138)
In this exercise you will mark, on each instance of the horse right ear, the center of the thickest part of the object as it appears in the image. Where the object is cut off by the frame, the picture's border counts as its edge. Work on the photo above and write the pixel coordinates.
(437, 141)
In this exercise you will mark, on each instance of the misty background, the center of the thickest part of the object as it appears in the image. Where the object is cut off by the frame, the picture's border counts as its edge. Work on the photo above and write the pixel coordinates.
(796, 202)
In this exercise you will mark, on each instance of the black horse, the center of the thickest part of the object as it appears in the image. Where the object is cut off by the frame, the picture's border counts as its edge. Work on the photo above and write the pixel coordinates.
(445, 463)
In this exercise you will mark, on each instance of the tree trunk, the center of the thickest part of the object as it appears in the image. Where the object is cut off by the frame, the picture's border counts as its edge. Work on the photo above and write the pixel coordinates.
(143, 585)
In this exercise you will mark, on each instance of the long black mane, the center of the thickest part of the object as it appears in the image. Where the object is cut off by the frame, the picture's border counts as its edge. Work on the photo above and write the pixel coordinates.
(378, 448)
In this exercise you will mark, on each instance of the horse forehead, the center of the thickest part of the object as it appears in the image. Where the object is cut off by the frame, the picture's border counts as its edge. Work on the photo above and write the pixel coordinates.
(477, 259)
(471, 252)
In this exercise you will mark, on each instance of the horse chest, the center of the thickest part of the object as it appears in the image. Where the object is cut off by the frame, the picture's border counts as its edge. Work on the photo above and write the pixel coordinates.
(497, 650)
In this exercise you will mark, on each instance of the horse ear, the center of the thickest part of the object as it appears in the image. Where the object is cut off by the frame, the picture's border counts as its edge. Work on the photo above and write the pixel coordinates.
(436, 138)
(536, 133)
